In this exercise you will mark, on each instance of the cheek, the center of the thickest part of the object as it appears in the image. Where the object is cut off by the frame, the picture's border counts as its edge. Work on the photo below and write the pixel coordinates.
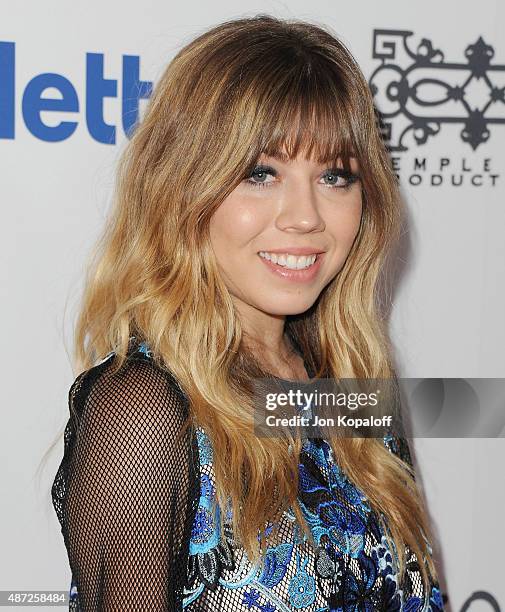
(344, 222)
(235, 223)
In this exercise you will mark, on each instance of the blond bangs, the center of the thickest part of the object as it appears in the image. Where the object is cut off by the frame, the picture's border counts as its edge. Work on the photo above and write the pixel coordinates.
(306, 111)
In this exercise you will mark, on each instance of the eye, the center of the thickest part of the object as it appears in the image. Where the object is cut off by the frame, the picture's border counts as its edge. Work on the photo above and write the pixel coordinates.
(339, 178)
(258, 177)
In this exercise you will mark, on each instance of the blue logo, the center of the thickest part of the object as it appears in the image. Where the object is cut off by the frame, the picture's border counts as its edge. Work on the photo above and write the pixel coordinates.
(98, 88)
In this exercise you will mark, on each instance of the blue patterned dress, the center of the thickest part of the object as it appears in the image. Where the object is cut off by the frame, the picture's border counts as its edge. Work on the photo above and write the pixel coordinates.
(351, 568)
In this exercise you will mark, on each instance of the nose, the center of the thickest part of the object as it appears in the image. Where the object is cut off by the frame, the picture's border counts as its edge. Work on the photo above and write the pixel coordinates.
(298, 210)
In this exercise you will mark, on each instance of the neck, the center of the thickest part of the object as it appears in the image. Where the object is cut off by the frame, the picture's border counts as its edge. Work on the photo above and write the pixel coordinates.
(264, 334)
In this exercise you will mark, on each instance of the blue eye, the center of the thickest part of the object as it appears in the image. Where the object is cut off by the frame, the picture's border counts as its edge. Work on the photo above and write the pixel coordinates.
(335, 174)
(339, 177)
(260, 173)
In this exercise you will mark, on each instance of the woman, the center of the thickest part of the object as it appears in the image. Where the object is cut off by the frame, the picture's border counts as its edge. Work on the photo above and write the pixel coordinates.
(253, 209)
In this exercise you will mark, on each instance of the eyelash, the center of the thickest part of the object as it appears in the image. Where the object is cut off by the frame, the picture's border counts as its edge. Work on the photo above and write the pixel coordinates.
(339, 172)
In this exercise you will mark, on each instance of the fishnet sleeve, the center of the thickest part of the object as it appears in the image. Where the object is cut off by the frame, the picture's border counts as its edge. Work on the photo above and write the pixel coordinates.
(128, 487)
(397, 442)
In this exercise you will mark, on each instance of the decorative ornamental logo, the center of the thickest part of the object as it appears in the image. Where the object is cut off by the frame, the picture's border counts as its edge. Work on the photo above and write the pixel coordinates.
(417, 92)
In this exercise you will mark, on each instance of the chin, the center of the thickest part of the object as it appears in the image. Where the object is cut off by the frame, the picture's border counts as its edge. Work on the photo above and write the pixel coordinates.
(286, 306)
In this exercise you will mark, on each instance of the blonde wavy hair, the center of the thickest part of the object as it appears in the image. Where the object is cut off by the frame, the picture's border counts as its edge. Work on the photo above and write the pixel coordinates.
(244, 87)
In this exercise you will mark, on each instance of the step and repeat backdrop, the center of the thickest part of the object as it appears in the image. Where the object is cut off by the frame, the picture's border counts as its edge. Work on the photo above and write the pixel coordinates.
(74, 78)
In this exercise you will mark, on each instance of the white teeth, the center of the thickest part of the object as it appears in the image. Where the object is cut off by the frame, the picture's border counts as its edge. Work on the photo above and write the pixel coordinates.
(293, 262)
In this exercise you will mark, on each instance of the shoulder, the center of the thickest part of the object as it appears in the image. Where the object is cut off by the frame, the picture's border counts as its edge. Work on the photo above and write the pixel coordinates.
(139, 393)
(127, 433)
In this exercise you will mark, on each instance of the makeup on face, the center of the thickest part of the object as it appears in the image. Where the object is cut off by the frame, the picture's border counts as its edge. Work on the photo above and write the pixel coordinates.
(285, 231)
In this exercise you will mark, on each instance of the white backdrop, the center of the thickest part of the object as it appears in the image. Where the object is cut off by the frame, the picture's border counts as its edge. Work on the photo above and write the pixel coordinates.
(449, 297)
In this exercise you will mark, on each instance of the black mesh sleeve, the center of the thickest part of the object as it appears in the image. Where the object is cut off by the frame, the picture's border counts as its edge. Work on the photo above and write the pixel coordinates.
(396, 440)
(125, 491)
(399, 445)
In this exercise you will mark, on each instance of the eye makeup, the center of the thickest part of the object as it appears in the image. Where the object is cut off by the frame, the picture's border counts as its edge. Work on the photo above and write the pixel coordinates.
(262, 170)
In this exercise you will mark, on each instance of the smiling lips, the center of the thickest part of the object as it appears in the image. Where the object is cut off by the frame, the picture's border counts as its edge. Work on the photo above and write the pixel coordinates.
(287, 260)
(298, 264)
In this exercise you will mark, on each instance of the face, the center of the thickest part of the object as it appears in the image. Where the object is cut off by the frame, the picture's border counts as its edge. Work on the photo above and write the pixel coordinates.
(285, 232)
